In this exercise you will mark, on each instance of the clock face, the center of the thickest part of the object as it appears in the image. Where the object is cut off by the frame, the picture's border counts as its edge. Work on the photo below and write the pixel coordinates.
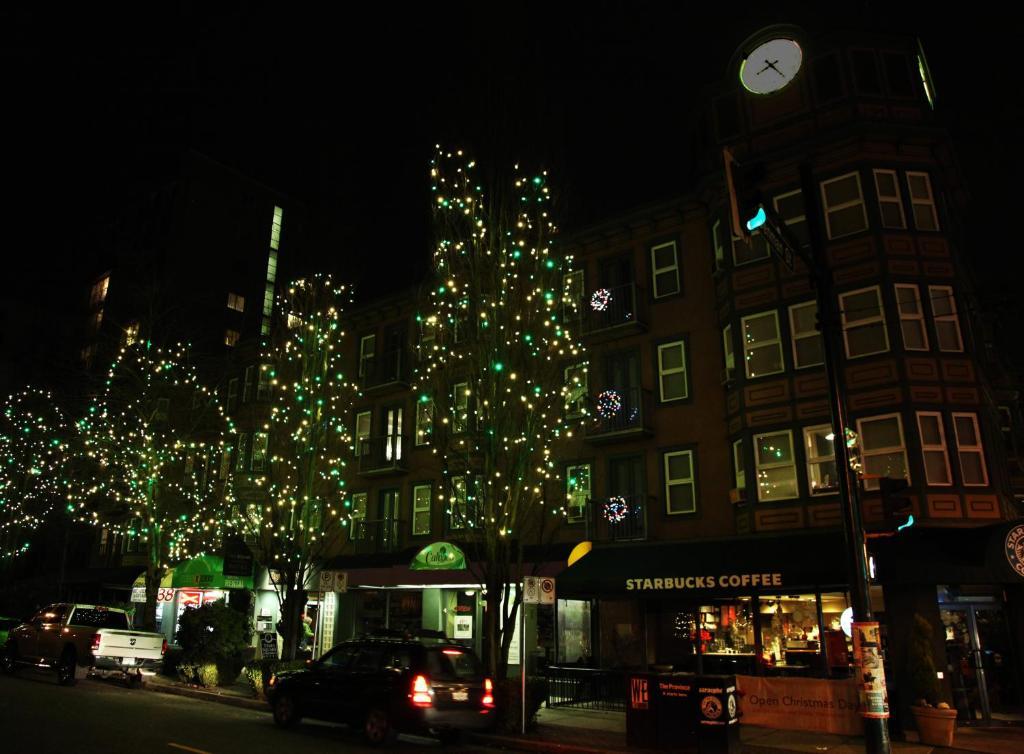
(771, 66)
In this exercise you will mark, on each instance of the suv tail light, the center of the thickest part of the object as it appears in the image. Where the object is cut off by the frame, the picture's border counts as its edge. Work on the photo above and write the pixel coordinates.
(163, 648)
(421, 695)
(488, 699)
(95, 642)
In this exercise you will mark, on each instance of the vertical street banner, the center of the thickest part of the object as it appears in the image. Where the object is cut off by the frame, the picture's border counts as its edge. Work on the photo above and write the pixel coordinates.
(870, 673)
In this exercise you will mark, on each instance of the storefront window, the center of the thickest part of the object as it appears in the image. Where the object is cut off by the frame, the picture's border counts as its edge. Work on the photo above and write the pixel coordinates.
(574, 633)
(837, 644)
(672, 637)
(790, 634)
(727, 636)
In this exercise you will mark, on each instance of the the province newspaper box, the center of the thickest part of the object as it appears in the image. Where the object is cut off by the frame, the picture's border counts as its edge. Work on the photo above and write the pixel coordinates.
(682, 712)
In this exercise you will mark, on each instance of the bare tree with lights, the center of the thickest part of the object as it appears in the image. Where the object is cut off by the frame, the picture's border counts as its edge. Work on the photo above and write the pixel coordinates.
(498, 334)
(152, 445)
(33, 458)
(302, 508)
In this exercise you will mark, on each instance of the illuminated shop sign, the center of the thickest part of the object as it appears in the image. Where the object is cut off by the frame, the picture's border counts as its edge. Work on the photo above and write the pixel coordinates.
(722, 581)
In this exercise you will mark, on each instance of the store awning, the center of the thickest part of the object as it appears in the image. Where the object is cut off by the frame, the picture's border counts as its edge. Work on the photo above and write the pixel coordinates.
(739, 565)
(955, 555)
(206, 572)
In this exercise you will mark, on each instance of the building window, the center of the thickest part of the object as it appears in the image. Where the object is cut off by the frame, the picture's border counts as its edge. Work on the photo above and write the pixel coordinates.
(1006, 430)
(572, 295)
(363, 423)
(428, 335)
(95, 321)
(883, 450)
(968, 446)
(673, 383)
(98, 294)
(730, 354)
(250, 383)
(762, 346)
(460, 513)
(275, 228)
(424, 420)
(790, 208)
(577, 492)
(908, 301)
(739, 466)
(863, 320)
(358, 515)
(232, 393)
(665, 269)
(460, 408)
(822, 477)
(922, 201)
(236, 302)
(933, 448)
(576, 387)
(944, 315)
(776, 466)
(231, 337)
(890, 203)
(243, 451)
(844, 206)
(680, 488)
(367, 343)
(716, 240)
(131, 334)
(808, 347)
(747, 250)
(421, 495)
(260, 442)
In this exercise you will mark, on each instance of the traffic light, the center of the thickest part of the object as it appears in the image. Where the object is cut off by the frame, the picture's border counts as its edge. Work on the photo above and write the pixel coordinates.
(897, 508)
(745, 200)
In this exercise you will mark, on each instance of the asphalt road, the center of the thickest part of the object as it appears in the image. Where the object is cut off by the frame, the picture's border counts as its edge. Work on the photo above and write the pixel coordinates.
(103, 717)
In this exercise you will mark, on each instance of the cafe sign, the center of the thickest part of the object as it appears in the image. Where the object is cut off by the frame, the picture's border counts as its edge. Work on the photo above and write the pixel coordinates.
(688, 583)
(1014, 549)
(439, 556)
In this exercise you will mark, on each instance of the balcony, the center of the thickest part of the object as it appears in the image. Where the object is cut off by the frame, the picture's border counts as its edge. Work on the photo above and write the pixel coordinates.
(625, 417)
(375, 536)
(383, 456)
(386, 370)
(618, 518)
(614, 312)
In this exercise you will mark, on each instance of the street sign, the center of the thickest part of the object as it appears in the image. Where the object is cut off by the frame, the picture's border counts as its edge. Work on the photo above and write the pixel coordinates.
(775, 236)
(268, 645)
(538, 590)
(333, 581)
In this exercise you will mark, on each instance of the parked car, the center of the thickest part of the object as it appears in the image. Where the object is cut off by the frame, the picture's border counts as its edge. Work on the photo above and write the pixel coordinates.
(79, 639)
(387, 686)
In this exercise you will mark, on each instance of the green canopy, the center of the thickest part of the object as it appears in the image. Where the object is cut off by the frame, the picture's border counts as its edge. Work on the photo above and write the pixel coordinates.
(439, 556)
(207, 572)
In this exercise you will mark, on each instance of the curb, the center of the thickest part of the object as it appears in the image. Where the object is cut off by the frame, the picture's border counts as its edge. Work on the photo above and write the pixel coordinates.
(208, 696)
(528, 744)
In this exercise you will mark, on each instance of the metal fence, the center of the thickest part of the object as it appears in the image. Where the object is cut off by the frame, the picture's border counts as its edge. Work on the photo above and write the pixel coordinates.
(586, 688)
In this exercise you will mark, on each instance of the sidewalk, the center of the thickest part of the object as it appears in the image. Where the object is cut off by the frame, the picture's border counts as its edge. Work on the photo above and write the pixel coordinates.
(573, 731)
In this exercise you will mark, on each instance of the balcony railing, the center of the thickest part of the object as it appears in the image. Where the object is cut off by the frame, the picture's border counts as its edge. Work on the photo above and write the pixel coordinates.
(373, 536)
(610, 311)
(619, 413)
(381, 456)
(617, 518)
(387, 369)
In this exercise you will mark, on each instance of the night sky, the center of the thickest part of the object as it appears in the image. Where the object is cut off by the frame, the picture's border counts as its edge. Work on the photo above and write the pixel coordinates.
(341, 112)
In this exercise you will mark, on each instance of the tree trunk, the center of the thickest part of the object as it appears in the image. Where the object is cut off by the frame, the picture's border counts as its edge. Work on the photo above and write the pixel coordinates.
(154, 575)
(292, 608)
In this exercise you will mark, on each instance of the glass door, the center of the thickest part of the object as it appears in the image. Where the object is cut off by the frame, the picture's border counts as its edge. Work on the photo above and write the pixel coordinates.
(968, 689)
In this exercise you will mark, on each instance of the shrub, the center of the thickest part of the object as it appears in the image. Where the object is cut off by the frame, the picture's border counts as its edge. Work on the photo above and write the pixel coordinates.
(920, 662)
(215, 634)
(172, 659)
(507, 698)
(258, 672)
(207, 675)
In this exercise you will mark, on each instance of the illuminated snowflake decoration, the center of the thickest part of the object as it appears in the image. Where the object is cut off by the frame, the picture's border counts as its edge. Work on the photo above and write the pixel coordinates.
(609, 403)
(600, 299)
(616, 509)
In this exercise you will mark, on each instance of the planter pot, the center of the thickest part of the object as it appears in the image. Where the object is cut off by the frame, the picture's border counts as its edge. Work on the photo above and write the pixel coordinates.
(935, 725)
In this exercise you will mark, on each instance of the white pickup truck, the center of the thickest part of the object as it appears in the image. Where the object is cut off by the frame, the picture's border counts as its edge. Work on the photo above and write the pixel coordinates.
(79, 639)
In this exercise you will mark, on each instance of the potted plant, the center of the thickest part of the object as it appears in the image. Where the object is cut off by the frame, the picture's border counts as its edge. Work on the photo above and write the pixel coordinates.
(935, 719)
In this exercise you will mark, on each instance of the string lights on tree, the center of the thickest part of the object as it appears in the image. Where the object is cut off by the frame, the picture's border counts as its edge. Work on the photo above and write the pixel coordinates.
(152, 449)
(498, 331)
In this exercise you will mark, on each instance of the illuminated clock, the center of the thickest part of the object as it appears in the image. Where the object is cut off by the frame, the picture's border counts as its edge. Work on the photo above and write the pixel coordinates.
(771, 65)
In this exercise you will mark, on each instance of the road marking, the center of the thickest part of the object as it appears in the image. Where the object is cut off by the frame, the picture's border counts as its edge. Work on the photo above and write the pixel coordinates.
(187, 748)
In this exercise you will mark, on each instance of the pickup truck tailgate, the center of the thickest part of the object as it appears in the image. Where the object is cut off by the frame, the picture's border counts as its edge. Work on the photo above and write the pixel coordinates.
(138, 644)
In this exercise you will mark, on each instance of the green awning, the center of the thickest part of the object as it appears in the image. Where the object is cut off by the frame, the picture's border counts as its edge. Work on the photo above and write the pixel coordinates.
(207, 572)
(439, 556)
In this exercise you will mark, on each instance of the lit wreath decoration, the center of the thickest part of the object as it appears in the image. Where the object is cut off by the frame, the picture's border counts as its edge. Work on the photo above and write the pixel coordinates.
(609, 403)
(616, 509)
(600, 299)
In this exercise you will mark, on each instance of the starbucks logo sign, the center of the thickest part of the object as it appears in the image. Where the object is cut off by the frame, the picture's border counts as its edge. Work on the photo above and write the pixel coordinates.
(1014, 549)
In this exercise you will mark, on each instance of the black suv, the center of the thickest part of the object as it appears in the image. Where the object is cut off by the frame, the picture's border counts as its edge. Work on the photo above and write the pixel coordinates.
(388, 686)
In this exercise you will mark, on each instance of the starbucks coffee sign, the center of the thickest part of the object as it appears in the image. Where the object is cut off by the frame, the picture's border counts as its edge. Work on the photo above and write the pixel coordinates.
(1014, 549)
(440, 556)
